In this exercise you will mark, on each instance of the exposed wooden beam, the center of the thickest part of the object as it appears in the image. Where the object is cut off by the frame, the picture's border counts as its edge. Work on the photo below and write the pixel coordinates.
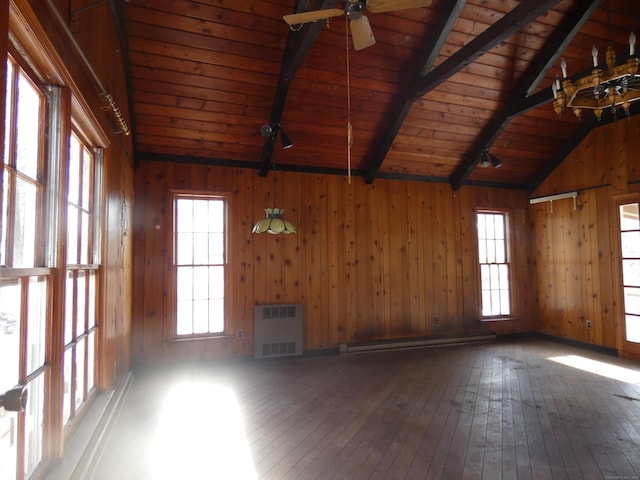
(400, 113)
(511, 23)
(298, 45)
(555, 44)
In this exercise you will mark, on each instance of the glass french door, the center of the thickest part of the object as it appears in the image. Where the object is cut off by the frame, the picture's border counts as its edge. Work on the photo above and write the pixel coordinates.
(630, 258)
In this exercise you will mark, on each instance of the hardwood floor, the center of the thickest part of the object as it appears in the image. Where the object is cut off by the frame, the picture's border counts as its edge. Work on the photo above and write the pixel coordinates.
(484, 411)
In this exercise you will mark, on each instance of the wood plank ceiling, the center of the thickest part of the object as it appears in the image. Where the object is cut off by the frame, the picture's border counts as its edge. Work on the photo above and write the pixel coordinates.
(441, 84)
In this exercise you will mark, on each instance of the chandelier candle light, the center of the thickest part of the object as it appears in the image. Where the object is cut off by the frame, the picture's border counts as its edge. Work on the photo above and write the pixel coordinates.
(617, 86)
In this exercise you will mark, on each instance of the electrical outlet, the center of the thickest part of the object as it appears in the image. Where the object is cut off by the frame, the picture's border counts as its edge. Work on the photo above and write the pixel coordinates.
(436, 321)
(588, 323)
(240, 334)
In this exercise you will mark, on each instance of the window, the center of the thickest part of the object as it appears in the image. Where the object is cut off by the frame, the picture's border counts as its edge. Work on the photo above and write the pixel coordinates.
(200, 257)
(25, 282)
(493, 254)
(630, 253)
(81, 275)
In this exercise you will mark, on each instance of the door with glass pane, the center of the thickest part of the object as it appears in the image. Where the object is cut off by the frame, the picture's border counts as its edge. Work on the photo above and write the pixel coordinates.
(630, 258)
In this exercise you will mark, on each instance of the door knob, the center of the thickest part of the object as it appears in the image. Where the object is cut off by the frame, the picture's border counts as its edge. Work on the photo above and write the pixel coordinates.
(14, 399)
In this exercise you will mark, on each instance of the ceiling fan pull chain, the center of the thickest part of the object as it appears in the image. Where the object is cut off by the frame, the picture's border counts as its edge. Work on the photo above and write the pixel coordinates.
(349, 128)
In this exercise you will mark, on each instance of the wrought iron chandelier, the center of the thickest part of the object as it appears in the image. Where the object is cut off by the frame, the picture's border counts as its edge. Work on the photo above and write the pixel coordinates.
(611, 88)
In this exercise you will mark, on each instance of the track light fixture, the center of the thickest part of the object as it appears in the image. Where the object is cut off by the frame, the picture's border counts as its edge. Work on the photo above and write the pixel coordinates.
(487, 159)
(270, 131)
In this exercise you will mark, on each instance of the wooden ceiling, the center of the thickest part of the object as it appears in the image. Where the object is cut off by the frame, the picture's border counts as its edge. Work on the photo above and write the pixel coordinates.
(441, 84)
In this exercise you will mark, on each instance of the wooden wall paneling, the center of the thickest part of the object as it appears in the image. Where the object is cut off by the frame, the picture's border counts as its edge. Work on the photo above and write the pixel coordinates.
(290, 193)
(591, 279)
(337, 269)
(351, 313)
(365, 329)
(454, 261)
(606, 261)
(432, 316)
(381, 260)
(439, 259)
(415, 259)
(262, 198)
(239, 261)
(394, 197)
(574, 272)
(316, 286)
(469, 256)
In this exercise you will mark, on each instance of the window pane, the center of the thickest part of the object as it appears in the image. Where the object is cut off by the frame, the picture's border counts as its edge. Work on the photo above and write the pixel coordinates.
(91, 352)
(184, 320)
(184, 248)
(5, 209)
(68, 372)
(9, 104)
(72, 235)
(84, 239)
(630, 242)
(8, 444)
(92, 299)
(68, 308)
(632, 300)
(36, 323)
(10, 318)
(74, 171)
(201, 248)
(24, 239)
(34, 424)
(201, 218)
(629, 217)
(184, 212)
(81, 293)
(216, 315)
(216, 248)
(27, 125)
(631, 272)
(87, 162)
(80, 363)
(632, 323)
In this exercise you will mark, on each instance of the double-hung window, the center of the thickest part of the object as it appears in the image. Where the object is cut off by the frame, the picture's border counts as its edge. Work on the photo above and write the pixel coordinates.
(493, 255)
(25, 279)
(200, 257)
(81, 277)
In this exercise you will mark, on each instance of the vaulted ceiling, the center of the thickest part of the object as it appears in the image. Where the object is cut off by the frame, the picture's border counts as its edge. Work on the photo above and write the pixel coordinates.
(441, 84)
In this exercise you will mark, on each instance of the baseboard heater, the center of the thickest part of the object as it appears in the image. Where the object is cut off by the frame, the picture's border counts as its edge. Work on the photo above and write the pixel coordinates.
(346, 348)
(278, 330)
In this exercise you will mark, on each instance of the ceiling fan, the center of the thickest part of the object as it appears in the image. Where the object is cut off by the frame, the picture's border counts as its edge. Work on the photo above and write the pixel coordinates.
(361, 32)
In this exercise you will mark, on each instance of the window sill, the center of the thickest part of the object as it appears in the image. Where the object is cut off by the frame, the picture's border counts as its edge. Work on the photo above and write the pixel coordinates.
(498, 319)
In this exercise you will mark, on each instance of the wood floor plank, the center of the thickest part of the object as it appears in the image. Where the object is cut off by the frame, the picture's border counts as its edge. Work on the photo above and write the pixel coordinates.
(497, 410)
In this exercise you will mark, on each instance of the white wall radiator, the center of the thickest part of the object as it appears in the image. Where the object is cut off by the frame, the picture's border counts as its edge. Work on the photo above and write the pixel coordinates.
(278, 330)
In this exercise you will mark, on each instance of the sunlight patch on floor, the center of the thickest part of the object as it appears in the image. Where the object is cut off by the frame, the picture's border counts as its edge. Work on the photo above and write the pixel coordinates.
(200, 435)
(603, 369)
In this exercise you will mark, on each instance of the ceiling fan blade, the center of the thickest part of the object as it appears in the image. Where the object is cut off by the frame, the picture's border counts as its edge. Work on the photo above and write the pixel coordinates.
(378, 6)
(361, 33)
(312, 16)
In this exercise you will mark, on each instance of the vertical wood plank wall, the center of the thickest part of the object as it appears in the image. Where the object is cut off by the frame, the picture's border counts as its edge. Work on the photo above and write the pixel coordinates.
(576, 249)
(369, 262)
